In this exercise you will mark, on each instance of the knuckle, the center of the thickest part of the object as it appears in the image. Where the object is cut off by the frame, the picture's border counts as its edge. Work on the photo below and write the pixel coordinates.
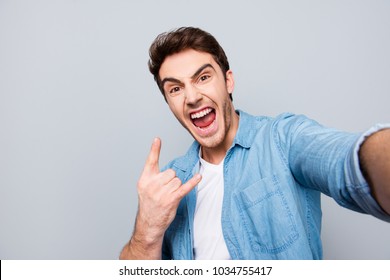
(173, 172)
(141, 187)
(178, 181)
(170, 173)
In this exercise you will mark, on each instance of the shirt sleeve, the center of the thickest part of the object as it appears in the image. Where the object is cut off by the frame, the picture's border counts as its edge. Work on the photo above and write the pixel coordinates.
(356, 178)
(327, 159)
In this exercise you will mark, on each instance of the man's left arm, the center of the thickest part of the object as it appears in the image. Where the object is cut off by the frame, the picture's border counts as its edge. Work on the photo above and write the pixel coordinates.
(374, 158)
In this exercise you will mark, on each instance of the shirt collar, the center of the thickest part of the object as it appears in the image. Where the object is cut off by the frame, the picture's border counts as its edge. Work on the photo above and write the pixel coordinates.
(245, 133)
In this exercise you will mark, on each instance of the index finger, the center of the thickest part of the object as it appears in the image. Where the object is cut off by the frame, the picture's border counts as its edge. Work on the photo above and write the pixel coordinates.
(151, 164)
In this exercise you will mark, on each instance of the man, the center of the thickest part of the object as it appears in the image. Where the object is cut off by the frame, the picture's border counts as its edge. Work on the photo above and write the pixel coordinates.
(249, 187)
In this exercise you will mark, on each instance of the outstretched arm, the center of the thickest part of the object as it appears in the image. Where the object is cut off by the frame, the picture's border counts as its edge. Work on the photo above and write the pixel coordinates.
(159, 195)
(374, 157)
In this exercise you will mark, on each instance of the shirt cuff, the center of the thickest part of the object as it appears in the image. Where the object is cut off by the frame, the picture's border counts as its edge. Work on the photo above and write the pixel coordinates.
(361, 189)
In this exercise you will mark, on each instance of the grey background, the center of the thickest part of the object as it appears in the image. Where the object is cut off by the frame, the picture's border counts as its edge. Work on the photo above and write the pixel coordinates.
(79, 110)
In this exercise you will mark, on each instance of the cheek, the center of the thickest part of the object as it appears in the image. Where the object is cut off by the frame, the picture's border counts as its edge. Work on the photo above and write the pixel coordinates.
(176, 108)
(218, 90)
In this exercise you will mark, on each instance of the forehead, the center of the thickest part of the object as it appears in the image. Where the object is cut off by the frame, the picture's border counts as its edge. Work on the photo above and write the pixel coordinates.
(184, 64)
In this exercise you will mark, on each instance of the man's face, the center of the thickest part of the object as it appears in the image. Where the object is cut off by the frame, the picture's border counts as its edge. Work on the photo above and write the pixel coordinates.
(198, 95)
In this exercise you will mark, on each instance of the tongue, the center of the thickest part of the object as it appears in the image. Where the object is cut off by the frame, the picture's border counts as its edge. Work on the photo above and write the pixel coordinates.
(205, 121)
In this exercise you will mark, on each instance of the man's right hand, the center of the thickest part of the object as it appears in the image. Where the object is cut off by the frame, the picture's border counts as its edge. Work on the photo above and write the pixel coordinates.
(159, 195)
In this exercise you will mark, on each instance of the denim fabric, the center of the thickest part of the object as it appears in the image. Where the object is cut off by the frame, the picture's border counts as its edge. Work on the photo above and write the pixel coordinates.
(274, 173)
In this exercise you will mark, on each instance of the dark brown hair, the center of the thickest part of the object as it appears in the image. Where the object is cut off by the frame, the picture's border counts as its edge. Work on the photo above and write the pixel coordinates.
(180, 39)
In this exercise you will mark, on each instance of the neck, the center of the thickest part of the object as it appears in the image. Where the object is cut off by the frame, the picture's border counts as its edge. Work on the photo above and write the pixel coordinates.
(213, 156)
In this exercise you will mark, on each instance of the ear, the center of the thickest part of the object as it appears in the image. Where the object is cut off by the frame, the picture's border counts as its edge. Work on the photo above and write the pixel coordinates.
(229, 81)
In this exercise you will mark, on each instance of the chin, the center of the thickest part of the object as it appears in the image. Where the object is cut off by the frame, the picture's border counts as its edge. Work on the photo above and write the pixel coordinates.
(210, 142)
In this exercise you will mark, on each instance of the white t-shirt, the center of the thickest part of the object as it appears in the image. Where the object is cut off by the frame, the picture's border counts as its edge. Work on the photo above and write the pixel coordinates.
(209, 243)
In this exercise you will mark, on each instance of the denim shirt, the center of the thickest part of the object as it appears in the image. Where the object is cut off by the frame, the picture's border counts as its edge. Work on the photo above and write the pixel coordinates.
(274, 173)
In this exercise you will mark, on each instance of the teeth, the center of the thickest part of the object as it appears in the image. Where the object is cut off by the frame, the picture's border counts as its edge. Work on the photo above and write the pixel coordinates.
(201, 113)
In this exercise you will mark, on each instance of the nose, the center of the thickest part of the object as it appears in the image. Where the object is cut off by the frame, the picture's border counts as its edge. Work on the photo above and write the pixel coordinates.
(192, 95)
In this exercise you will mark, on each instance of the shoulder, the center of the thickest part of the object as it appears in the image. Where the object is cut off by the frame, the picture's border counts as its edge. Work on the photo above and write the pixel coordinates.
(285, 124)
(285, 118)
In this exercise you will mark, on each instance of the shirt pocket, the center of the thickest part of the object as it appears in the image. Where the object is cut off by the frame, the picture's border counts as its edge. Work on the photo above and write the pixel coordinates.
(266, 216)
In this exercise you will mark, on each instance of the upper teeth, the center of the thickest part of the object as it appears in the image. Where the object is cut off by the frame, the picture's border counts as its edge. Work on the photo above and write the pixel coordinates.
(201, 113)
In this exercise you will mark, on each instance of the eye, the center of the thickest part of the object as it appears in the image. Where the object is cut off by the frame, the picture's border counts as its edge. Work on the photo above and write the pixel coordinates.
(204, 77)
(174, 90)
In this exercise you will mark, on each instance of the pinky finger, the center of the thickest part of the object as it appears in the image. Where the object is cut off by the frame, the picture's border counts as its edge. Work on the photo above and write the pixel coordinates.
(189, 185)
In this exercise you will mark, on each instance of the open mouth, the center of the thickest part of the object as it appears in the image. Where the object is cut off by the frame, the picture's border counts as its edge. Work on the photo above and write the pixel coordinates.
(204, 118)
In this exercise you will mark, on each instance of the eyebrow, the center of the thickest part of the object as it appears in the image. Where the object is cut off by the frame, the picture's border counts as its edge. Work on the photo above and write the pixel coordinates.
(177, 81)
